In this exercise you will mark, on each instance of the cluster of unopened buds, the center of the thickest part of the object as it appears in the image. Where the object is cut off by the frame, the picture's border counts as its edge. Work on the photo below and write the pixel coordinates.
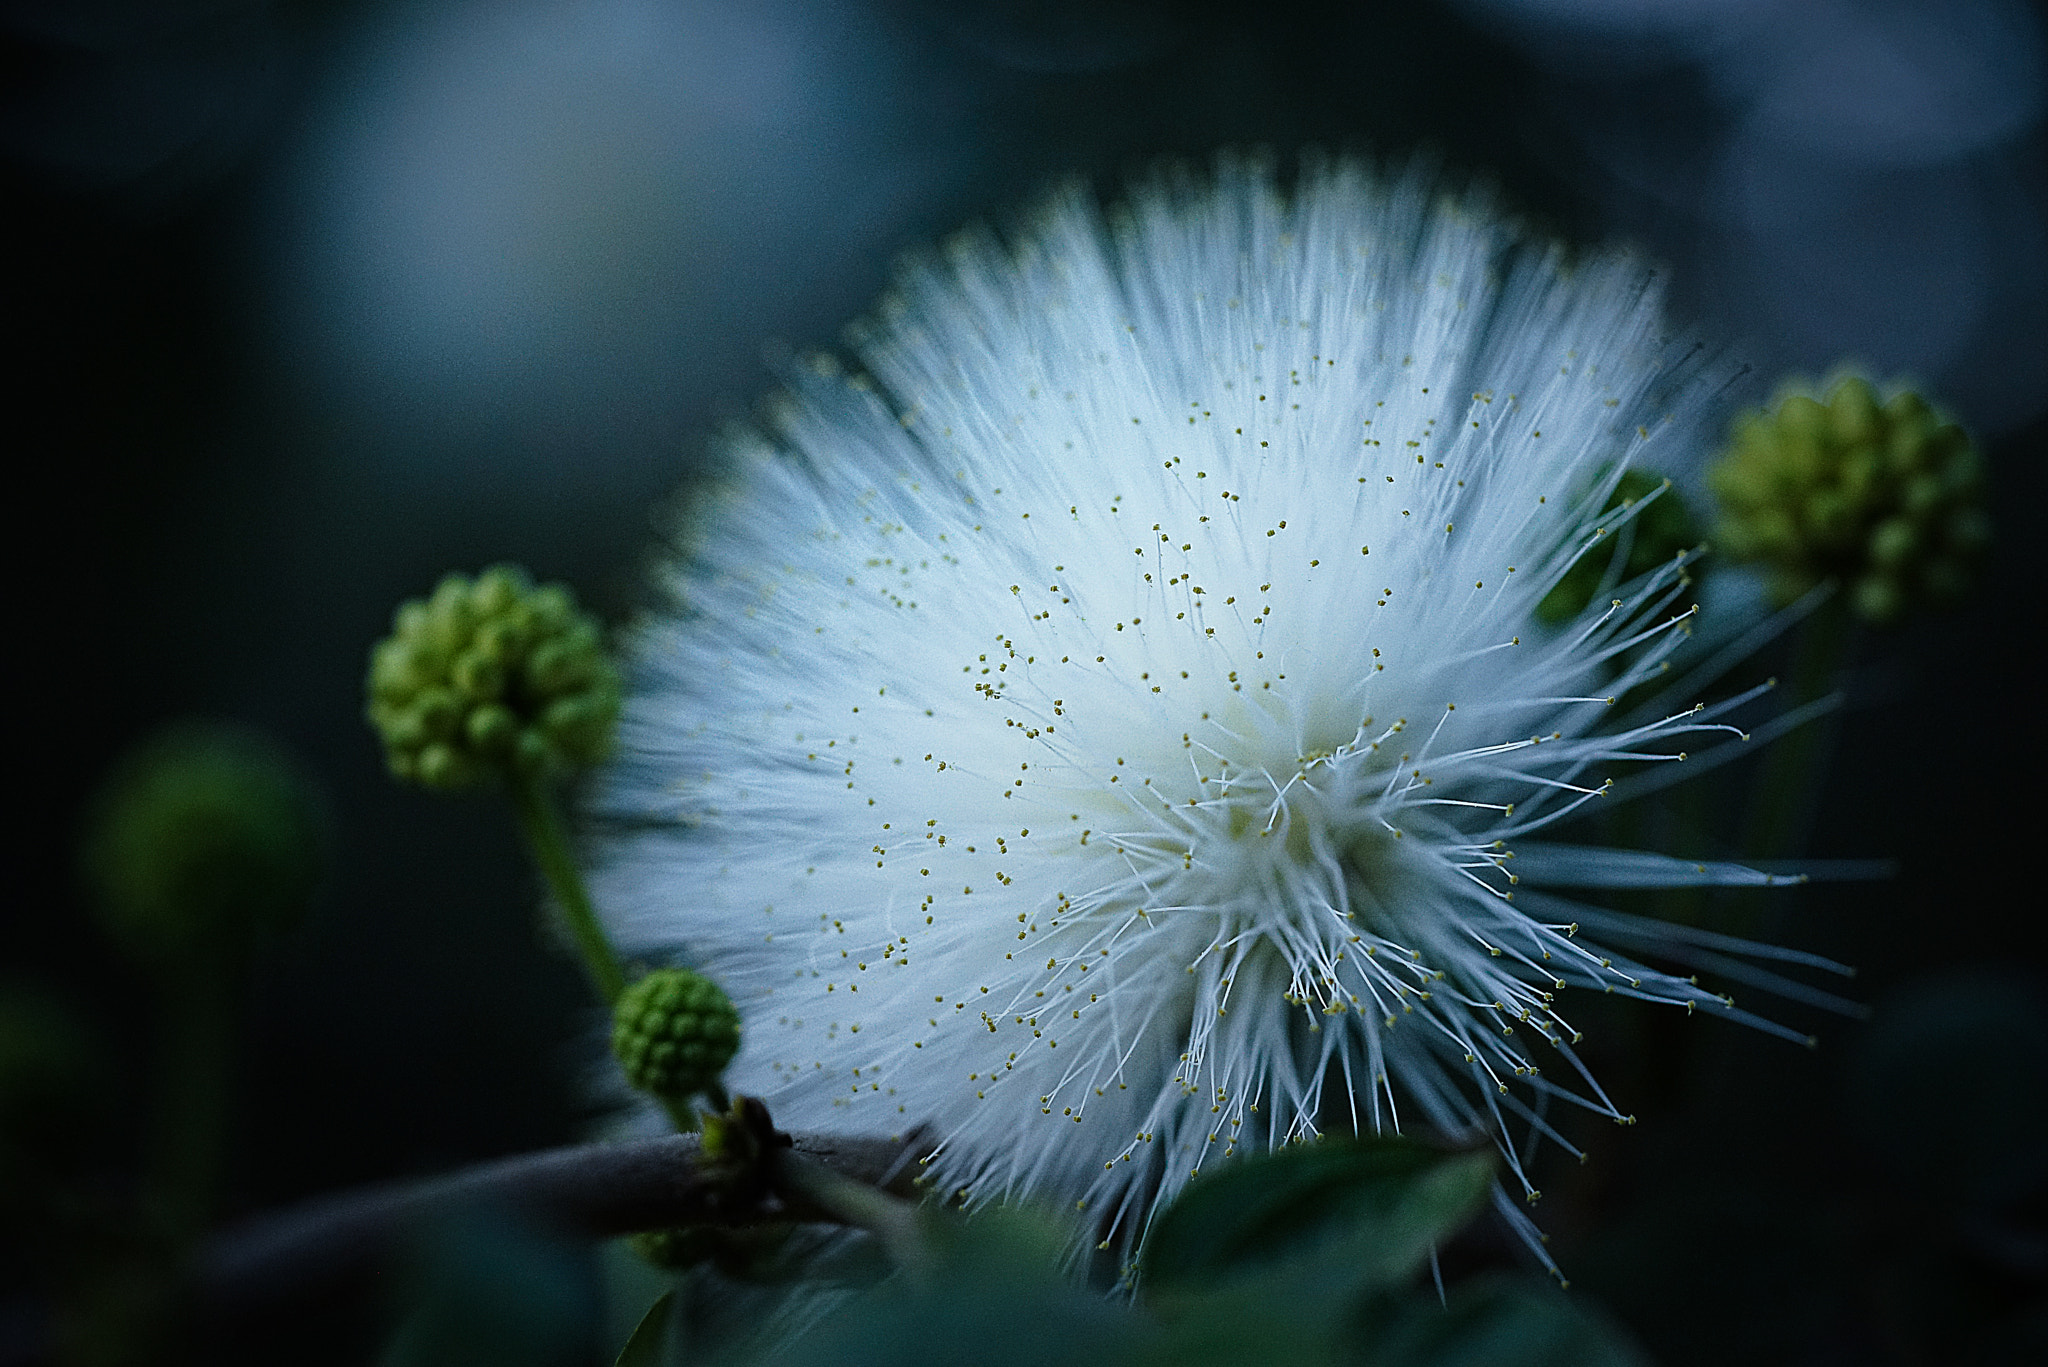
(1883, 496)
(491, 676)
(673, 1032)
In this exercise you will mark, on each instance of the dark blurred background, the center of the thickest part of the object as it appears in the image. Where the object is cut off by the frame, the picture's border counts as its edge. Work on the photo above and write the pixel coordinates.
(314, 300)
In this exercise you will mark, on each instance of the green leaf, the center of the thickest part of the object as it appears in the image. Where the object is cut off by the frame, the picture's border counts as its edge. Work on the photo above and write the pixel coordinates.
(992, 1292)
(486, 1290)
(1349, 1214)
(1500, 1322)
(1245, 1322)
(643, 1349)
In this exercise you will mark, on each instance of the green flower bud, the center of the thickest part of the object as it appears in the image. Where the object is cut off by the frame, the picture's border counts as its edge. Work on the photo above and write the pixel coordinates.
(1883, 497)
(490, 677)
(1662, 530)
(673, 1032)
(203, 839)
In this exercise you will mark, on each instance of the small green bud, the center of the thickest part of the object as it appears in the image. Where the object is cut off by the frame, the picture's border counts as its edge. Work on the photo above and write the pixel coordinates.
(1885, 498)
(493, 729)
(1662, 530)
(489, 677)
(673, 1032)
(203, 839)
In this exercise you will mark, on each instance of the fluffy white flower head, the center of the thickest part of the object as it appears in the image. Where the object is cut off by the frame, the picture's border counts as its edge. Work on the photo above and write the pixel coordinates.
(1111, 733)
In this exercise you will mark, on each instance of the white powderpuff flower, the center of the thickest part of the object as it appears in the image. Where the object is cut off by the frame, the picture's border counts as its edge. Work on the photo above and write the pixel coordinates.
(1109, 734)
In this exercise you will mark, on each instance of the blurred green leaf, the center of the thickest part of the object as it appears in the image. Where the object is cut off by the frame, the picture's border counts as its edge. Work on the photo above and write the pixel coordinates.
(1350, 1215)
(1302, 1258)
(1249, 1321)
(995, 1291)
(644, 1348)
(1497, 1322)
(485, 1289)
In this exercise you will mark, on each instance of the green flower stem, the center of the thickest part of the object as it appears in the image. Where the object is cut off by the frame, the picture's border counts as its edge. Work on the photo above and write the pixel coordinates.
(191, 1116)
(688, 1118)
(1780, 812)
(549, 841)
(891, 1219)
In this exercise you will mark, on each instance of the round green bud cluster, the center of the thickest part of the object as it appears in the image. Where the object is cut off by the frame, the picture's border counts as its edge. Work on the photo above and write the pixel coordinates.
(491, 677)
(1663, 530)
(673, 1032)
(203, 839)
(1885, 498)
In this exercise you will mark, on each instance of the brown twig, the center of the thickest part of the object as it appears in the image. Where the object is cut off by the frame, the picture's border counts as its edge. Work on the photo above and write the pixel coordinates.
(588, 1190)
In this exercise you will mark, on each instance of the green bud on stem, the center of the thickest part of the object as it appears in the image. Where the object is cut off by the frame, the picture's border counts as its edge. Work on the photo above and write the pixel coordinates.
(491, 679)
(1883, 496)
(204, 839)
(673, 1032)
